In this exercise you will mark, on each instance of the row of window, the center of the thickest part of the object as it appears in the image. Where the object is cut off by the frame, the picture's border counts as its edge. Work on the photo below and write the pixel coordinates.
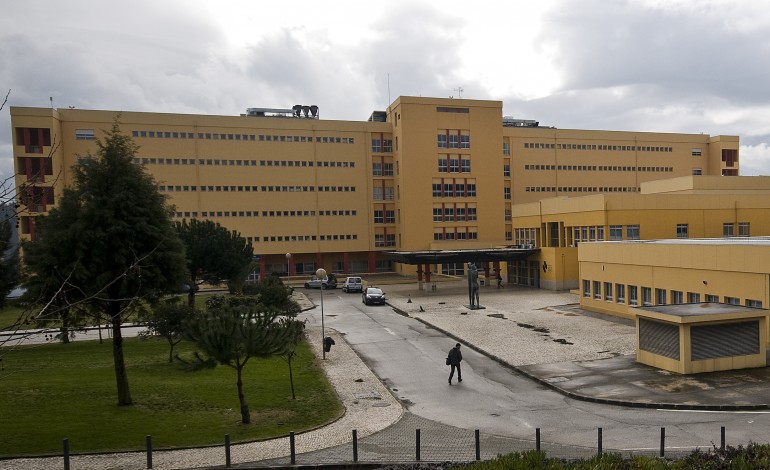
(453, 139)
(384, 239)
(384, 216)
(382, 169)
(656, 169)
(222, 162)
(88, 134)
(454, 164)
(385, 193)
(728, 230)
(454, 213)
(453, 188)
(615, 148)
(194, 214)
(526, 236)
(264, 189)
(382, 145)
(456, 233)
(591, 233)
(301, 238)
(581, 189)
(617, 294)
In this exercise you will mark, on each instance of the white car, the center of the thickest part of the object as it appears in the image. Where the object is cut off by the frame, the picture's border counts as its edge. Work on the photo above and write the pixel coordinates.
(353, 284)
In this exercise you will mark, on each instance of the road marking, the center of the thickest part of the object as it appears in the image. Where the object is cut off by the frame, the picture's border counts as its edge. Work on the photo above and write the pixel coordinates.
(390, 331)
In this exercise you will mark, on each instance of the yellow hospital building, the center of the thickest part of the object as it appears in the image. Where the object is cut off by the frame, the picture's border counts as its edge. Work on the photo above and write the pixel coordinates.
(426, 175)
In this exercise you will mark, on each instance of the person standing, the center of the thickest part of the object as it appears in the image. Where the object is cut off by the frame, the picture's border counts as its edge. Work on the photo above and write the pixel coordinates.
(455, 358)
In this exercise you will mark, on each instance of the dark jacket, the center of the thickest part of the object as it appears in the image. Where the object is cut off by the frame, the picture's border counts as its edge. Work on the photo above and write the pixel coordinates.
(455, 356)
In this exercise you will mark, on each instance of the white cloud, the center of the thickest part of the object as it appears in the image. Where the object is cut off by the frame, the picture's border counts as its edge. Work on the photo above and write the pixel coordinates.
(646, 65)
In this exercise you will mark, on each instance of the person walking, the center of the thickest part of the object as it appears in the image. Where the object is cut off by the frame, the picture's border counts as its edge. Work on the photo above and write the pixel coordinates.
(453, 359)
(499, 281)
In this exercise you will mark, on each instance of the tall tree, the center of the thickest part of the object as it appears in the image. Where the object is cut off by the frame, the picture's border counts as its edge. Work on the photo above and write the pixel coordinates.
(213, 253)
(231, 335)
(111, 240)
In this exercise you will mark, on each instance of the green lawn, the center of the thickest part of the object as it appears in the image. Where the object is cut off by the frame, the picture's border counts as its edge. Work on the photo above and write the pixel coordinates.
(10, 314)
(54, 391)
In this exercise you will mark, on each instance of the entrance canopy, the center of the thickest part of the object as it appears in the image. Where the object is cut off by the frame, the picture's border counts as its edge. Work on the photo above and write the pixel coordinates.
(461, 256)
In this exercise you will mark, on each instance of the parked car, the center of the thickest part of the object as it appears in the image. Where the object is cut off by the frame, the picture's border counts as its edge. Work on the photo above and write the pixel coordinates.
(353, 284)
(315, 282)
(372, 296)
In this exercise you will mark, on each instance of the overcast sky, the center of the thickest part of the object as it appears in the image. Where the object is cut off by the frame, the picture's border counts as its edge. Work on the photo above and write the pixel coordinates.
(658, 65)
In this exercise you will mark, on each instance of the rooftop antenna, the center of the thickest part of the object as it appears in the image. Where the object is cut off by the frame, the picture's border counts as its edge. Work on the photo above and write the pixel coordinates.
(51, 98)
(459, 91)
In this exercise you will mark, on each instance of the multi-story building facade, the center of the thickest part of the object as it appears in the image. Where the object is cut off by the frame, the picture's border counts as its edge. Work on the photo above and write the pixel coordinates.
(427, 174)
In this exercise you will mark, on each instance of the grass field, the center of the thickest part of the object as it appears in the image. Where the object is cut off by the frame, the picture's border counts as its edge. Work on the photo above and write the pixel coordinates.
(54, 391)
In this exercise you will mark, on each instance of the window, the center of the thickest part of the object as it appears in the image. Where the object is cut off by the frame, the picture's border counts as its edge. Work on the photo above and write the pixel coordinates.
(728, 230)
(379, 217)
(506, 170)
(506, 148)
(84, 134)
(681, 231)
(586, 288)
(632, 232)
(465, 165)
(507, 193)
(677, 297)
(753, 303)
(712, 298)
(696, 152)
(390, 217)
(744, 229)
(646, 296)
(465, 141)
(597, 290)
(608, 291)
(443, 165)
(438, 214)
(376, 169)
(454, 141)
(697, 171)
(441, 140)
(633, 298)
(620, 293)
(660, 296)
(693, 298)
(387, 145)
(732, 300)
(616, 232)
(387, 169)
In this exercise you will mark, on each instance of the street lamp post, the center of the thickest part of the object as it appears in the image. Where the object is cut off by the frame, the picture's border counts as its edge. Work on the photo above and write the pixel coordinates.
(288, 266)
(321, 274)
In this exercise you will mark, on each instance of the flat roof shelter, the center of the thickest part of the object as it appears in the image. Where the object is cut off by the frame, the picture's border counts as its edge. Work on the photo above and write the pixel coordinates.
(701, 337)
(424, 258)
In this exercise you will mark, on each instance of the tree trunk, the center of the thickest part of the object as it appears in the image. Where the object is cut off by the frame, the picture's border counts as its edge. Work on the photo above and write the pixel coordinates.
(171, 351)
(245, 415)
(291, 376)
(191, 291)
(121, 376)
(65, 325)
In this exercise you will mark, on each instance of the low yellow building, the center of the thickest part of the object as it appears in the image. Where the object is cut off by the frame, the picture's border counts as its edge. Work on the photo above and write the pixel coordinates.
(617, 276)
(678, 208)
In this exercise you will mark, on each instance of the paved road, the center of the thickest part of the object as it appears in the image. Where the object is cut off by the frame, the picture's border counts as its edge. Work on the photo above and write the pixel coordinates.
(408, 356)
